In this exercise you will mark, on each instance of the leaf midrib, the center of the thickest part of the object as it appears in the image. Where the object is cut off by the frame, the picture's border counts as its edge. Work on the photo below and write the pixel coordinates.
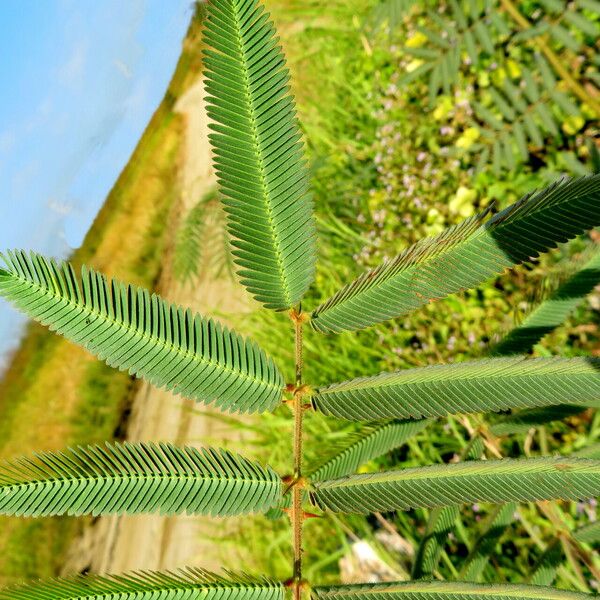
(150, 589)
(462, 470)
(196, 357)
(259, 154)
(349, 386)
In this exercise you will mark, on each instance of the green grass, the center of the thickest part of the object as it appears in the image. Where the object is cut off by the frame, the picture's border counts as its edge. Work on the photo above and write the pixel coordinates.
(345, 115)
(55, 394)
(356, 122)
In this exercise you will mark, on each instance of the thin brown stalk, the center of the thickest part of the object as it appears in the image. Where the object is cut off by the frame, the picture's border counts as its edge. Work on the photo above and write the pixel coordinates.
(297, 513)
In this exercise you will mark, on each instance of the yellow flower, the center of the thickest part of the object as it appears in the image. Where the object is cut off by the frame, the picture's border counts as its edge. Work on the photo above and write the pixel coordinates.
(413, 65)
(416, 40)
(443, 108)
(571, 125)
(513, 67)
(468, 138)
(462, 203)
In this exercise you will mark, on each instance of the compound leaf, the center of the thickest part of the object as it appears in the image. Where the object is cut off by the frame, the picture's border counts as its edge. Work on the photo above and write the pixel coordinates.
(370, 442)
(148, 585)
(443, 590)
(488, 385)
(492, 529)
(136, 478)
(129, 328)
(589, 534)
(464, 256)
(258, 153)
(496, 481)
(553, 311)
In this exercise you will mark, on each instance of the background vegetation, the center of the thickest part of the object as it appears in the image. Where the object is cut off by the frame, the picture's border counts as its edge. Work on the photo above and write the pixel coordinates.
(394, 156)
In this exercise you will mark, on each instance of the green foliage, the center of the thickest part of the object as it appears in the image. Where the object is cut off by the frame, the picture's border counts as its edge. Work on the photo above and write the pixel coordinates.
(421, 274)
(182, 585)
(441, 522)
(130, 328)
(369, 442)
(497, 481)
(479, 386)
(486, 542)
(442, 590)
(590, 534)
(202, 228)
(258, 154)
(544, 572)
(440, 525)
(136, 478)
(553, 311)
(264, 189)
(523, 420)
(390, 12)
(520, 59)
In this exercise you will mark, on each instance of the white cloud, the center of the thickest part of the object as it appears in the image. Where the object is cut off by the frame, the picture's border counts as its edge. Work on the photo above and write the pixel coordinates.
(123, 68)
(72, 72)
(60, 208)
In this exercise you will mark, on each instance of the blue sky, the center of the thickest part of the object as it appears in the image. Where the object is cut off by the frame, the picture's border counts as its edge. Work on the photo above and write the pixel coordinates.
(79, 80)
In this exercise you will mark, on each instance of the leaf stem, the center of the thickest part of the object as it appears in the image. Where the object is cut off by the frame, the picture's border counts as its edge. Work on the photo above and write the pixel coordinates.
(297, 513)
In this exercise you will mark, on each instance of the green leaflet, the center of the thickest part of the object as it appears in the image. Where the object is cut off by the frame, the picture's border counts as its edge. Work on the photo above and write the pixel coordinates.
(590, 534)
(491, 531)
(441, 522)
(203, 227)
(523, 420)
(129, 328)
(188, 244)
(464, 256)
(136, 478)
(443, 590)
(390, 13)
(496, 481)
(258, 153)
(469, 387)
(370, 442)
(544, 572)
(188, 584)
(552, 313)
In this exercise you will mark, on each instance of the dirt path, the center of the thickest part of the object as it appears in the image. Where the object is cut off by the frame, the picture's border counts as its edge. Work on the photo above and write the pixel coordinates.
(122, 543)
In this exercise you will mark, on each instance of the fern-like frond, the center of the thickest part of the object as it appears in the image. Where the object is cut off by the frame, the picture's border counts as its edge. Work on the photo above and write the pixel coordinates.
(368, 443)
(553, 311)
(389, 13)
(203, 227)
(496, 481)
(523, 420)
(491, 531)
(489, 385)
(464, 256)
(441, 522)
(589, 534)
(129, 328)
(258, 153)
(185, 584)
(544, 571)
(443, 590)
(136, 478)
(475, 30)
